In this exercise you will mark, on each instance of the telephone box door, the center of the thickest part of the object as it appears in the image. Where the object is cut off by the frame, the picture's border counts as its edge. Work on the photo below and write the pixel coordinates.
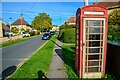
(93, 47)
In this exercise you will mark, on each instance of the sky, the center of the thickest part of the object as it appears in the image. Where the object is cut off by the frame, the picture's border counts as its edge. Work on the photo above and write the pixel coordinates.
(58, 11)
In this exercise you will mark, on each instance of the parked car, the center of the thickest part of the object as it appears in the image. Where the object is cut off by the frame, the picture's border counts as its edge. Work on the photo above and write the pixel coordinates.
(46, 36)
(9, 34)
(25, 34)
(52, 32)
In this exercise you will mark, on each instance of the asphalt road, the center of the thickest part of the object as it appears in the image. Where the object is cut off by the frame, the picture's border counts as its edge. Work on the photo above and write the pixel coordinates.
(13, 55)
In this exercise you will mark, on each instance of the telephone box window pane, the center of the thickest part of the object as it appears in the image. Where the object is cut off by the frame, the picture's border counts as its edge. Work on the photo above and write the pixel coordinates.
(94, 43)
(87, 38)
(94, 30)
(93, 69)
(86, 57)
(86, 50)
(101, 37)
(102, 23)
(87, 30)
(100, 63)
(94, 23)
(85, 63)
(85, 69)
(93, 57)
(86, 22)
(101, 43)
(100, 69)
(101, 57)
(101, 50)
(93, 63)
(94, 37)
(94, 50)
(101, 30)
(87, 43)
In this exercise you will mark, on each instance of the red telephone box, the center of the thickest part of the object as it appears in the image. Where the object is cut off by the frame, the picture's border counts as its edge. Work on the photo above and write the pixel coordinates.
(91, 41)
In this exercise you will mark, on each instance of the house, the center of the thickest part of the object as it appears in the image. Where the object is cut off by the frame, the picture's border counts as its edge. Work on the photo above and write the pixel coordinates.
(110, 5)
(21, 24)
(55, 28)
(1, 32)
(5, 29)
(71, 21)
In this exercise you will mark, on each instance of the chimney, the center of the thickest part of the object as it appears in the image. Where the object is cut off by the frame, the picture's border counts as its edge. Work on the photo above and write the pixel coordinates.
(1, 30)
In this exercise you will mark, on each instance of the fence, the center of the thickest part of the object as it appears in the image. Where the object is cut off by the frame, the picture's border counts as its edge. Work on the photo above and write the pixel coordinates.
(113, 57)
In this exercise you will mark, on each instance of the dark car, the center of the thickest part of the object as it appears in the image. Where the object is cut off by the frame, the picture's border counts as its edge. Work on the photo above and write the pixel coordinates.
(52, 32)
(46, 36)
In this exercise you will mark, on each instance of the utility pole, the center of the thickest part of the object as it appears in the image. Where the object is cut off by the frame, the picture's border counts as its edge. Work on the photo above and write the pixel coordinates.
(10, 29)
(86, 3)
(60, 21)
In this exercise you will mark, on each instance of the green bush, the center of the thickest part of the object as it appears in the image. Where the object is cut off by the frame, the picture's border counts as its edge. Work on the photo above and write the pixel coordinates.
(66, 26)
(114, 17)
(114, 33)
(68, 35)
(32, 33)
(60, 33)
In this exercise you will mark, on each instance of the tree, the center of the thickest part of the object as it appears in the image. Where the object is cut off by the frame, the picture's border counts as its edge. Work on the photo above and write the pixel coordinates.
(114, 17)
(14, 30)
(42, 22)
(114, 25)
(66, 26)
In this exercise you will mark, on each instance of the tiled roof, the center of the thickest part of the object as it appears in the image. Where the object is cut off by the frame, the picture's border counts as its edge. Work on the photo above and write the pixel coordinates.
(108, 4)
(71, 19)
(20, 21)
(5, 27)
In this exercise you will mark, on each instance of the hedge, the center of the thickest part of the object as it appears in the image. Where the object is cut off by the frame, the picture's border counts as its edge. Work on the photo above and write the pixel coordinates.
(67, 35)
(114, 33)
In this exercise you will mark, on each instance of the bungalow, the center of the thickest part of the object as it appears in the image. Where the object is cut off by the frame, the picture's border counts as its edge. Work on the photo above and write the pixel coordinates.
(21, 24)
(71, 21)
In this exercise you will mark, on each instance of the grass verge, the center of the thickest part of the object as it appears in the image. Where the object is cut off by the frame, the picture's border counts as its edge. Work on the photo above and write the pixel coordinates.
(38, 64)
(14, 42)
(69, 58)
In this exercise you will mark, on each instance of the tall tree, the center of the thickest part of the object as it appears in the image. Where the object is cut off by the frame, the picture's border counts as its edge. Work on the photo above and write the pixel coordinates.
(114, 17)
(42, 22)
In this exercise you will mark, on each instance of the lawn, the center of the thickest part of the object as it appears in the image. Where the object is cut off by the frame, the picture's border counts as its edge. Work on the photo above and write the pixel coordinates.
(14, 42)
(68, 52)
(38, 64)
(69, 58)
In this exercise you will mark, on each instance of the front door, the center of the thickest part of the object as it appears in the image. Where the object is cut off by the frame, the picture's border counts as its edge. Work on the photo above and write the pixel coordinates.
(93, 48)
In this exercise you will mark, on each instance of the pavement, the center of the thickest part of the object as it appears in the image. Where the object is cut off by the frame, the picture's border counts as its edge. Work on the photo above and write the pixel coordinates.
(57, 67)
(12, 56)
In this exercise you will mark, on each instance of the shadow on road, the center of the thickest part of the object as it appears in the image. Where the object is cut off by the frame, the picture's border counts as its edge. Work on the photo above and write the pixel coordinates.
(8, 71)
